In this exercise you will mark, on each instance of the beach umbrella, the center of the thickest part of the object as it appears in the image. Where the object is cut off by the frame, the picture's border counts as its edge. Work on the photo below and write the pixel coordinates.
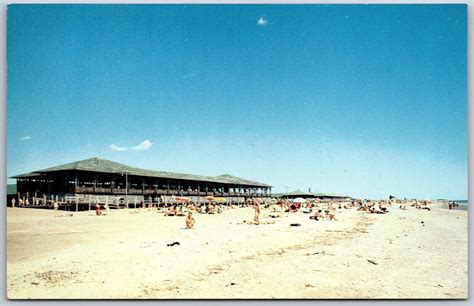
(220, 199)
(182, 199)
(299, 200)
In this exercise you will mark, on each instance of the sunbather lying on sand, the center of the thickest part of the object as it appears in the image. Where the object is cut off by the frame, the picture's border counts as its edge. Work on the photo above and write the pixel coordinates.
(274, 216)
(171, 211)
(373, 210)
(318, 216)
(211, 209)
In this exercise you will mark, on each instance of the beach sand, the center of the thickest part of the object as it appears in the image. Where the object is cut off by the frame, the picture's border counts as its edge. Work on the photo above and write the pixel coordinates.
(125, 255)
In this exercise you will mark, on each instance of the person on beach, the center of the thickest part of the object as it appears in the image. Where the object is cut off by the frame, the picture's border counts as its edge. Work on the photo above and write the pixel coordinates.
(257, 212)
(373, 210)
(330, 216)
(383, 208)
(180, 212)
(212, 209)
(171, 211)
(292, 208)
(98, 212)
(281, 203)
(106, 208)
(190, 221)
(317, 216)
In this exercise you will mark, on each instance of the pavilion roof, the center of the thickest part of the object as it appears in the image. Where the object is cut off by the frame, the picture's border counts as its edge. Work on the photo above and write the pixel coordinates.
(106, 166)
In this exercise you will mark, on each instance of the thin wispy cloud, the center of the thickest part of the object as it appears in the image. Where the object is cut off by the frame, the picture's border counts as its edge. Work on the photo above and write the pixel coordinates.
(117, 148)
(145, 145)
(262, 21)
(25, 138)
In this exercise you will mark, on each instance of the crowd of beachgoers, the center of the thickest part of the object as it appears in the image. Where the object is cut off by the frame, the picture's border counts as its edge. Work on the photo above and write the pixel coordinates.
(317, 209)
(329, 243)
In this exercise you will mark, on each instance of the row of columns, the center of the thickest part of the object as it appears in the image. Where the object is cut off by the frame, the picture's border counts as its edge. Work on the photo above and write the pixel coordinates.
(180, 186)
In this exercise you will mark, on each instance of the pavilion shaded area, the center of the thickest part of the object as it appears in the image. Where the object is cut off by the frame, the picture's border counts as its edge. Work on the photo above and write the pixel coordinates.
(97, 176)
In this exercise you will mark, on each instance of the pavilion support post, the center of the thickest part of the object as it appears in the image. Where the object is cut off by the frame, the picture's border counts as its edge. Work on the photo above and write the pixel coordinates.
(90, 201)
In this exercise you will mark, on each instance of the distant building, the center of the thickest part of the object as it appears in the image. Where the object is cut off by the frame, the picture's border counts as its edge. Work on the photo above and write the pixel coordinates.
(97, 176)
(308, 195)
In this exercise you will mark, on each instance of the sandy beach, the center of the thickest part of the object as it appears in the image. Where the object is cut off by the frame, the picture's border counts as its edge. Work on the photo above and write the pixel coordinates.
(402, 254)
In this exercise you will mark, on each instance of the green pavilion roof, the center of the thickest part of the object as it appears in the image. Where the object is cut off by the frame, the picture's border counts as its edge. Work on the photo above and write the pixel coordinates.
(26, 175)
(106, 166)
(299, 193)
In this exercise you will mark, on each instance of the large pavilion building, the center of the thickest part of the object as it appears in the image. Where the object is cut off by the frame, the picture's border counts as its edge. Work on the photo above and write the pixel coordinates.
(100, 177)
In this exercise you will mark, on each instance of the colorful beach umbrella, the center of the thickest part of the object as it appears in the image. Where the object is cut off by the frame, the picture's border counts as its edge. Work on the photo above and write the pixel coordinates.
(182, 199)
(299, 200)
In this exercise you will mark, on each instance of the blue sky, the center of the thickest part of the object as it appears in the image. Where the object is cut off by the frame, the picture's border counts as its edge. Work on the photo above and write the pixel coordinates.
(363, 100)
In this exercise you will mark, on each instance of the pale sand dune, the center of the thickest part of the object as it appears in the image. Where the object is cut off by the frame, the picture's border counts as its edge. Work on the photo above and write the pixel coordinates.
(125, 255)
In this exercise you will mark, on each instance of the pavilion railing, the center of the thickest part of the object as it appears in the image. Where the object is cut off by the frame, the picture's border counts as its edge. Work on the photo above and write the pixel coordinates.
(140, 191)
